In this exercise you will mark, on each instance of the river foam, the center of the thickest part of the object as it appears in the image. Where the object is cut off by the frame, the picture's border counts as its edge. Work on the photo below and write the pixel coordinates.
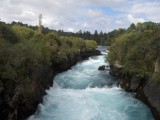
(84, 93)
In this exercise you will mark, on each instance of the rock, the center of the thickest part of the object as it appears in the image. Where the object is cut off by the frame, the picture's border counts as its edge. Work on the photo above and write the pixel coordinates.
(116, 71)
(157, 66)
(101, 67)
(134, 84)
(151, 92)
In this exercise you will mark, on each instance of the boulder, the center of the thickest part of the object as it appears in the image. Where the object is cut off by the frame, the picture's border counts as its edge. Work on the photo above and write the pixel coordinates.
(101, 67)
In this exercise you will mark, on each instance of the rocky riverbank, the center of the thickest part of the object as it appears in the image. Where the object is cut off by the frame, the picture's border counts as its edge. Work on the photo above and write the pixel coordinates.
(146, 90)
(25, 101)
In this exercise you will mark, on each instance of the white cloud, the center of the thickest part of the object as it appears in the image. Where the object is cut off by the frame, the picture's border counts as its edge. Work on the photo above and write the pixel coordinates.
(114, 4)
(134, 19)
(85, 25)
(73, 15)
(94, 13)
(70, 30)
(120, 23)
(149, 10)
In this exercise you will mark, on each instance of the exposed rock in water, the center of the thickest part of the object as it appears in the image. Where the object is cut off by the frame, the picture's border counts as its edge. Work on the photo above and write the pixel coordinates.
(101, 67)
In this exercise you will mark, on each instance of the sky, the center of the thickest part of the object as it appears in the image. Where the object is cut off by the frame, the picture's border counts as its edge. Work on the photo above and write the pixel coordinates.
(85, 15)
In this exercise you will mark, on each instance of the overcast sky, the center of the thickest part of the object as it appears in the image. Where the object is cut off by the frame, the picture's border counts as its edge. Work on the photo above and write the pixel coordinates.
(73, 15)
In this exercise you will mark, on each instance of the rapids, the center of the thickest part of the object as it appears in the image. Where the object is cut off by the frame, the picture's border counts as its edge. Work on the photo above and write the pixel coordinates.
(84, 93)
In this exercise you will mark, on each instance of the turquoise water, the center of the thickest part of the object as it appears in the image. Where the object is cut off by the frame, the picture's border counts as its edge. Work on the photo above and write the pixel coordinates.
(84, 93)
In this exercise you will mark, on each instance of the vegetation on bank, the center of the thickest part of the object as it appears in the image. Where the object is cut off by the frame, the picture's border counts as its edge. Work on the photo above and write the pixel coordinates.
(138, 50)
(23, 52)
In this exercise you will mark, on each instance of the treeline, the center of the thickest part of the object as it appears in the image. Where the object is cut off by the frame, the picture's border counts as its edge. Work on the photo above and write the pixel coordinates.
(138, 50)
(100, 37)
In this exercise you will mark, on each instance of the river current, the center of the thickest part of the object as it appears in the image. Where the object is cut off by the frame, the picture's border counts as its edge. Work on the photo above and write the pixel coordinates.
(84, 93)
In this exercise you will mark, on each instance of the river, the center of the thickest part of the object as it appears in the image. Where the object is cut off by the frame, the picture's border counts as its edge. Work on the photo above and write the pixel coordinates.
(84, 93)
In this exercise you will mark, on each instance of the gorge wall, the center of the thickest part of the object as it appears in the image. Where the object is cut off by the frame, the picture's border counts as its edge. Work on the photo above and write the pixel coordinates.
(146, 90)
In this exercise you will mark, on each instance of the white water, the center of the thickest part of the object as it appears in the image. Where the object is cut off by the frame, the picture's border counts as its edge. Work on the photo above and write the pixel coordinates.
(84, 93)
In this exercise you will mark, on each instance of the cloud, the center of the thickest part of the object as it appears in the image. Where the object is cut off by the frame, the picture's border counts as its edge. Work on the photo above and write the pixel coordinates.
(134, 19)
(75, 15)
(120, 23)
(149, 10)
(85, 25)
(114, 4)
(70, 30)
(94, 13)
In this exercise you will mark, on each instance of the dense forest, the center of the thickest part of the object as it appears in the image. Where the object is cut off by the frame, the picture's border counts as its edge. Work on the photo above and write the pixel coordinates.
(26, 57)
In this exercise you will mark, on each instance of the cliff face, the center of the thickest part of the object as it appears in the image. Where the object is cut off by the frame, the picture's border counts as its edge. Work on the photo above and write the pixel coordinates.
(157, 66)
(28, 95)
(146, 90)
(151, 91)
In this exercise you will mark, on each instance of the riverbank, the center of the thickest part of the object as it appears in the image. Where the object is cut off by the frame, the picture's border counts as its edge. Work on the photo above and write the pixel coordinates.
(24, 103)
(146, 90)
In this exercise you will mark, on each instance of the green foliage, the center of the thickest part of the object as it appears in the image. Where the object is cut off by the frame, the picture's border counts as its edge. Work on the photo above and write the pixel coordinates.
(110, 37)
(137, 49)
(53, 39)
(32, 51)
(23, 32)
(90, 45)
(132, 27)
(7, 33)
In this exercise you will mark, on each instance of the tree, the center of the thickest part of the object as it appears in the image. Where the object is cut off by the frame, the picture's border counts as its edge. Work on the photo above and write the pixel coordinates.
(7, 33)
(132, 27)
